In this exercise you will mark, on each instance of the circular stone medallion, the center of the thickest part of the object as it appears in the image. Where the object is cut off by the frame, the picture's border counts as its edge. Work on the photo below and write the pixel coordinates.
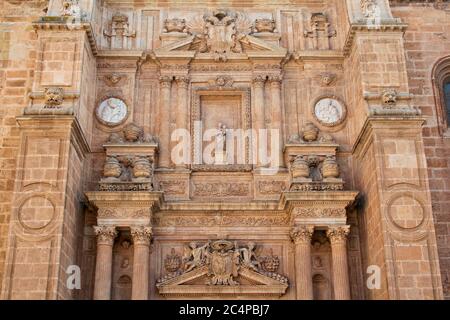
(112, 111)
(329, 111)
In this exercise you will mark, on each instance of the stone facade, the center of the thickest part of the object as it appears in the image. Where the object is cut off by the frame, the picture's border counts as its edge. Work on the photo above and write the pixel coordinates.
(133, 147)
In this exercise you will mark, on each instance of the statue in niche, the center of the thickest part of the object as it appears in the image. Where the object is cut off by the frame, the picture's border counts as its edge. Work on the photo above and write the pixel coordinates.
(221, 145)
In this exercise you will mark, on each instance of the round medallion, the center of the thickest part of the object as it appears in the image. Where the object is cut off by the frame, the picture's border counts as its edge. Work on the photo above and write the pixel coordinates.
(36, 212)
(330, 111)
(112, 111)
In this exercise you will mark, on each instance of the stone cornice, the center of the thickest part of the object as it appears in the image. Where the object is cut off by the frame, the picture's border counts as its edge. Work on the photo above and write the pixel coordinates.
(391, 122)
(67, 123)
(60, 24)
(387, 26)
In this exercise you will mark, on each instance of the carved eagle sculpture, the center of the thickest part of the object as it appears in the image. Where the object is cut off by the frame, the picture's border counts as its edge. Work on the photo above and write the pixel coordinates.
(219, 32)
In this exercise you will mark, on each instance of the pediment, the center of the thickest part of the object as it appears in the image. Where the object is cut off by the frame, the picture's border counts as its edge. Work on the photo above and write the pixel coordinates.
(194, 283)
(221, 268)
(251, 47)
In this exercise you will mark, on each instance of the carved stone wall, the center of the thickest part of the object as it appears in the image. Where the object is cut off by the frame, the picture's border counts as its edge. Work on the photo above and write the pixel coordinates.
(92, 103)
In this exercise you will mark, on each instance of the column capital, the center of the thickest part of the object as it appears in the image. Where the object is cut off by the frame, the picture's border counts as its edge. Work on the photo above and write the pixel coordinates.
(105, 234)
(165, 81)
(338, 234)
(259, 80)
(275, 80)
(141, 235)
(182, 81)
(302, 234)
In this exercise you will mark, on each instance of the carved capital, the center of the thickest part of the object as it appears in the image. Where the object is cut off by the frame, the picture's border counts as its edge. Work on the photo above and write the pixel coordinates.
(275, 80)
(182, 81)
(141, 235)
(338, 234)
(259, 81)
(302, 234)
(165, 81)
(105, 234)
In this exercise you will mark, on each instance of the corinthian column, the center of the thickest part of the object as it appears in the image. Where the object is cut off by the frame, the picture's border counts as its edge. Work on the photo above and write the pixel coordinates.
(276, 122)
(301, 236)
(259, 112)
(182, 106)
(103, 266)
(164, 121)
(141, 260)
(338, 239)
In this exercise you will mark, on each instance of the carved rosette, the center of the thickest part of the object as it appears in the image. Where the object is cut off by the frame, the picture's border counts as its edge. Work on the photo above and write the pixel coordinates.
(338, 234)
(302, 234)
(105, 234)
(141, 235)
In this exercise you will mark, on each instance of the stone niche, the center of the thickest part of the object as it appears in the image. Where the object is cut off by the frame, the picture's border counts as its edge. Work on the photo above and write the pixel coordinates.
(221, 110)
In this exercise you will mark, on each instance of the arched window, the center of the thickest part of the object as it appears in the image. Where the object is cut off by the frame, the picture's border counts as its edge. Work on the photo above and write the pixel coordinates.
(441, 86)
(446, 92)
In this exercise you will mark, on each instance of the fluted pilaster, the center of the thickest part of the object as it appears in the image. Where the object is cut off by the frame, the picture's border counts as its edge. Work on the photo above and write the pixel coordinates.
(164, 121)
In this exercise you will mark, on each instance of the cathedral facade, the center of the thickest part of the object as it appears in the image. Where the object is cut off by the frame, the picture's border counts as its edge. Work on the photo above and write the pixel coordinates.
(292, 149)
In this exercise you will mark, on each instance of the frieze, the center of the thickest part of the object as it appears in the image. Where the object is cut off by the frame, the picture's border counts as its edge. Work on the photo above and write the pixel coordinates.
(271, 187)
(319, 212)
(173, 187)
(160, 220)
(221, 189)
(107, 213)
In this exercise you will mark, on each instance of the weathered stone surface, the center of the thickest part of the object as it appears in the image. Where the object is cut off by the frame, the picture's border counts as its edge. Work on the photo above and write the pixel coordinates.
(130, 139)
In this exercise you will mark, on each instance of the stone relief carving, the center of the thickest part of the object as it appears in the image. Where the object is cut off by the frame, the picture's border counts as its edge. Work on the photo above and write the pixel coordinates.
(119, 31)
(320, 32)
(175, 187)
(54, 97)
(220, 32)
(389, 97)
(271, 262)
(223, 260)
(221, 82)
(327, 78)
(264, 25)
(208, 221)
(172, 261)
(319, 212)
(271, 187)
(71, 8)
(113, 79)
(387, 102)
(129, 170)
(310, 134)
(221, 189)
(310, 171)
(175, 25)
(369, 8)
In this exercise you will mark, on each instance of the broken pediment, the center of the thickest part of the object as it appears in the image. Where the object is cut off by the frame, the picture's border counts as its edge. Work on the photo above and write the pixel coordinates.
(221, 35)
(222, 268)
